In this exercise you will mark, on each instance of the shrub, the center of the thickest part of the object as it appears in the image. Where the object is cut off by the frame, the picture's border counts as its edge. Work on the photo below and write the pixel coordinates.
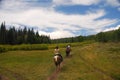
(25, 47)
(2, 49)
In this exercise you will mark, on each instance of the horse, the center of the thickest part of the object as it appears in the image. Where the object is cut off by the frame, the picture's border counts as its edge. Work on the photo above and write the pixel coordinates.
(57, 61)
(68, 52)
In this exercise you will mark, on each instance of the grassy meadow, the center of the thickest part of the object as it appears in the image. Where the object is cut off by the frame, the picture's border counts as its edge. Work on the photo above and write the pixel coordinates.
(89, 61)
(97, 61)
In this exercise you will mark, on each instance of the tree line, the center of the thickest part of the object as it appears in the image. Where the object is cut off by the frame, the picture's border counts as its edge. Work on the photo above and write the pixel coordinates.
(69, 40)
(21, 36)
(109, 36)
(28, 36)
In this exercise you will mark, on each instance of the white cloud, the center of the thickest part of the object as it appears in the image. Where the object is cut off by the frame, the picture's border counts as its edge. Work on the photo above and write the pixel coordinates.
(61, 23)
(114, 3)
(12, 4)
(57, 34)
(17, 5)
(112, 28)
(75, 2)
(85, 2)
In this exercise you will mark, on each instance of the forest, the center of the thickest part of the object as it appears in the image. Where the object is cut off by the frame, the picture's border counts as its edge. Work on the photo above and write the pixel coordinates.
(21, 36)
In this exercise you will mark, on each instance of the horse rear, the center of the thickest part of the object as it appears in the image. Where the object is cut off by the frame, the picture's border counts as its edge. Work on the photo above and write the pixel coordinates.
(68, 52)
(57, 61)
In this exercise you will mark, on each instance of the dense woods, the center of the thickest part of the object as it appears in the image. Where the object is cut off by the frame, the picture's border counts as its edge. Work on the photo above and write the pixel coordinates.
(28, 36)
(21, 36)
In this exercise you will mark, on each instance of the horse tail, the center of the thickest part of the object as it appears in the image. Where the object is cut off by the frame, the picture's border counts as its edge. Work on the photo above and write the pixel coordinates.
(56, 58)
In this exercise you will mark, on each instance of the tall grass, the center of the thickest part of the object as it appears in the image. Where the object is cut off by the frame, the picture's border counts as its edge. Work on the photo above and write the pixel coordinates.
(27, 47)
(27, 65)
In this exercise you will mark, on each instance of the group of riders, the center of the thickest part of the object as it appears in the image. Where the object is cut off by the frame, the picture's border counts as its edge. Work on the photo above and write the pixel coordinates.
(57, 51)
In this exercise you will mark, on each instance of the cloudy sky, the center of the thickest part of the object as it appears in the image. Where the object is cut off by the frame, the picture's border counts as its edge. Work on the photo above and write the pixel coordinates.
(62, 18)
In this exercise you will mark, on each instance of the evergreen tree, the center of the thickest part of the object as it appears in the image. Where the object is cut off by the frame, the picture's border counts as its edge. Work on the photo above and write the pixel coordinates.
(3, 33)
(11, 35)
(25, 35)
(19, 36)
(31, 37)
(37, 38)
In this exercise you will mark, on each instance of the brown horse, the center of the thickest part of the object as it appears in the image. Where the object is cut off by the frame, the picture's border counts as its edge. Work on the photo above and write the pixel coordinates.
(68, 52)
(57, 61)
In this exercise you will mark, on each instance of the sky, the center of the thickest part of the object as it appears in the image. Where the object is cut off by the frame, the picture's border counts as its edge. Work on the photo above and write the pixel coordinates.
(62, 18)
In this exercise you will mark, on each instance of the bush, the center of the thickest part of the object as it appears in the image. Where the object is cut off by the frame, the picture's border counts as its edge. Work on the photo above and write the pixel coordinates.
(27, 47)
(2, 49)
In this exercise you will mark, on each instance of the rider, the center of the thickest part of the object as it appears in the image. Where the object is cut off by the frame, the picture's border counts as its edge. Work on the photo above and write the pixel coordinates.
(56, 52)
(68, 47)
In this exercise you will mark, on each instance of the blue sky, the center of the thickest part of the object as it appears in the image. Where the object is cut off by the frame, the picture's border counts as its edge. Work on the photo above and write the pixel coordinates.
(62, 18)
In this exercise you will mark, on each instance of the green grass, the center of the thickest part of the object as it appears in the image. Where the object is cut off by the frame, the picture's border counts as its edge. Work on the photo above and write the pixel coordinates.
(63, 45)
(93, 62)
(89, 61)
(31, 65)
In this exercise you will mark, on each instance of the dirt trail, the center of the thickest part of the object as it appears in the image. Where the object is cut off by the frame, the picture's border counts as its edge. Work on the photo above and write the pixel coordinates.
(54, 75)
(3, 77)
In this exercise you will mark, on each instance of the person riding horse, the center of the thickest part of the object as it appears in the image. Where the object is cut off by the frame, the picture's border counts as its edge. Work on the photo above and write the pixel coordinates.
(57, 52)
(68, 49)
(57, 57)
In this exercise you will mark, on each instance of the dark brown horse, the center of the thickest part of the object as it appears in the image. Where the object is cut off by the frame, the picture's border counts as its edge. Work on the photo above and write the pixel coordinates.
(68, 52)
(57, 61)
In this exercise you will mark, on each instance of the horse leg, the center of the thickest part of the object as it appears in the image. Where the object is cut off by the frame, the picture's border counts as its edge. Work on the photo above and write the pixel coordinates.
(58, 67)
(69, 54)
(66, 54)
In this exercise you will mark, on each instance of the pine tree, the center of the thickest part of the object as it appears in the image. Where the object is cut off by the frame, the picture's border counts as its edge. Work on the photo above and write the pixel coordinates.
(3, 33)
(25, 35)
(11, 36)
(37, 38)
